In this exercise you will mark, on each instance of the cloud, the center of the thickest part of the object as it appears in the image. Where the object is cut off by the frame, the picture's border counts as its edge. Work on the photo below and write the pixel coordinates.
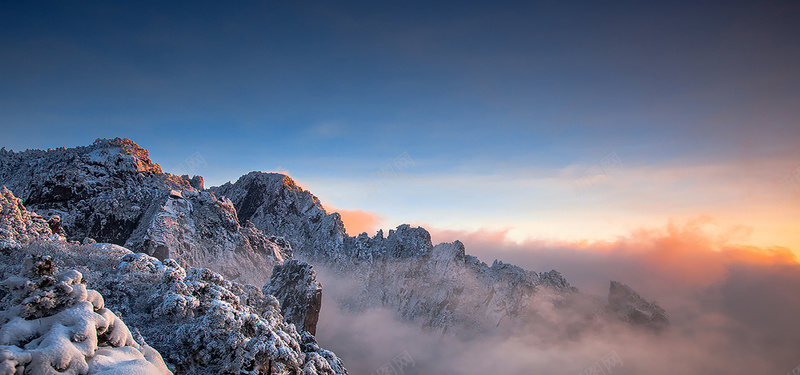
(358, 221)
(733, 309)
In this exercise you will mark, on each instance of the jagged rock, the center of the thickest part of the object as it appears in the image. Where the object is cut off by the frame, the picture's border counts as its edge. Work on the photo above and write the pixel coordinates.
(111, 191)
(275, 204)
(195, 181)
(295, 285)
(439, 285)
(100, 191)
(19, 226)
(629, 306)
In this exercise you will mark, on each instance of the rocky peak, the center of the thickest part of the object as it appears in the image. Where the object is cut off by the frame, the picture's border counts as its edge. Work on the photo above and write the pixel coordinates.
(258, 194)
(124, 153)
(196, 181)
(630, 307)
(407, 242)
(111, 191)
(275, 204)
(554, 279)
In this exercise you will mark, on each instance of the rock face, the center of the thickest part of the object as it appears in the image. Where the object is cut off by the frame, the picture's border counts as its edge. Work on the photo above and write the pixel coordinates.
(441, 286)
(629, 306)
(275, 204)
(100, 191)
(295, 285)
(112, 192)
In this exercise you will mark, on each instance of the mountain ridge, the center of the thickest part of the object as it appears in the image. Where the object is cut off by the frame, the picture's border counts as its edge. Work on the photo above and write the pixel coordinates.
(112, 192)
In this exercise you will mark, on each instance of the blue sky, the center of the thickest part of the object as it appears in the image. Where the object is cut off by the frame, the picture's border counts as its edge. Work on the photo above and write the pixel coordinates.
(503, 106)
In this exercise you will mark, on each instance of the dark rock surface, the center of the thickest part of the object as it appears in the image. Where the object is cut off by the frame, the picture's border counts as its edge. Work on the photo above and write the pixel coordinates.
(627, 305)
(294, 284)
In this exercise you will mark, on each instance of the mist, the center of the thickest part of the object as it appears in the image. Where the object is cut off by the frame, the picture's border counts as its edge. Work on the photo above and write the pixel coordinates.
(733, 310)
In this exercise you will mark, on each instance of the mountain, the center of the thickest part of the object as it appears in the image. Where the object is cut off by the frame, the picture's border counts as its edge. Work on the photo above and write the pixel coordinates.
(112, 192)
(236, 234)
(440, 287)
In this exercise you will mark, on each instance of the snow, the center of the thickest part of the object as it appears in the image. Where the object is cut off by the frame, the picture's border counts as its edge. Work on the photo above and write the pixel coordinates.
(215, 325)
(59, 326)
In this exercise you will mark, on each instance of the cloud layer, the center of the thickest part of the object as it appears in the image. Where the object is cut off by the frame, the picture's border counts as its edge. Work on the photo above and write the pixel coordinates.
(733, 310)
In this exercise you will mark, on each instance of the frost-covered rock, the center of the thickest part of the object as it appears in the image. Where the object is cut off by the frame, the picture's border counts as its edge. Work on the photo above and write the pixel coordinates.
(217, 326)
(112, 192)
(441, 286)
(629, 306)
(200, 322)
(55, 325)
(276, 205)
(294, 284)
(19, 226)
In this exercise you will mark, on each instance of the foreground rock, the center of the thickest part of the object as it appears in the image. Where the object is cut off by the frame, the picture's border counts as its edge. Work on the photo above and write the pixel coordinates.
(200, 322)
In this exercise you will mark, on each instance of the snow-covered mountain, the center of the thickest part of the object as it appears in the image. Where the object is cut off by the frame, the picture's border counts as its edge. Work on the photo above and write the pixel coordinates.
(440, 287)
(233, 235)
(138, 307)
(112, 192)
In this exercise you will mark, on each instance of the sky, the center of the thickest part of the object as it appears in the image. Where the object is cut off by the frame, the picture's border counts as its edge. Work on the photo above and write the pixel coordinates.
(553, 121)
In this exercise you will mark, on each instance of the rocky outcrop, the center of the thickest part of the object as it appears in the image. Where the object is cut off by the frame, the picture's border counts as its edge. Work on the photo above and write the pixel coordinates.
(18, 226)
(441, 286)
(112, 192)
(295, 285)
(629, 306)
(100, 191)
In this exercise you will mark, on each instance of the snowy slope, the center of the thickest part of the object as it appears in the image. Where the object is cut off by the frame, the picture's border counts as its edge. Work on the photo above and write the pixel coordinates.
(50, 322)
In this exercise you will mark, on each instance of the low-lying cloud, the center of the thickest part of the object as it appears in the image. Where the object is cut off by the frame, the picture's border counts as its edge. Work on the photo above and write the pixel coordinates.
(734, 310)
